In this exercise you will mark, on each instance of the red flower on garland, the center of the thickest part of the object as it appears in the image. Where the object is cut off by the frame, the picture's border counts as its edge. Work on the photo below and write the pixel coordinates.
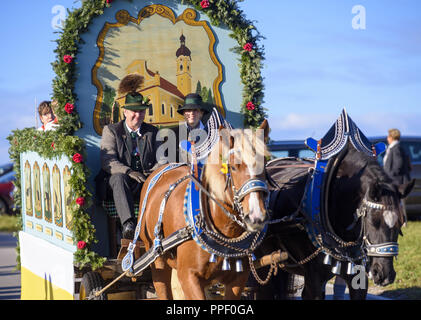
(109, 1)
(205, 4)
(248, 47)
(80, 201)
(78, 158)
(69, 108)
(52, 145)
(250, 105)
(81, 245)
(67, 58)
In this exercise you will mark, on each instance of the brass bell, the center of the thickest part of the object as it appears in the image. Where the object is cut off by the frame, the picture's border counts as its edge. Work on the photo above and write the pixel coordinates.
(226, 265)
(350, 268)
(239, 266)
(212, 258)
(336, 268)
(327, 259)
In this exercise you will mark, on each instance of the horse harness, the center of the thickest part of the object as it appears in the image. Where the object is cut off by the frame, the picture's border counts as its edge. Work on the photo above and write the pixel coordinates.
(197, 227)
(386, 249)
(329, 152)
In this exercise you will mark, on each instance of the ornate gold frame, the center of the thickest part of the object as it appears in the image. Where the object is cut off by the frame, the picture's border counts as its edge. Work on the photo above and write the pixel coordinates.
(123, 18)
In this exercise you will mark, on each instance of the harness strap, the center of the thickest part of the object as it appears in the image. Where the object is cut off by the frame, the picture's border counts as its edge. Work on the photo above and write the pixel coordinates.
(387, 249)
(168, 243)
(220, 205)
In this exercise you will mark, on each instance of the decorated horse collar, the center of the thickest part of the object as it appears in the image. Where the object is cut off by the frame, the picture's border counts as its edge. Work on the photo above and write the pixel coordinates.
(337, 137)
(326, 149)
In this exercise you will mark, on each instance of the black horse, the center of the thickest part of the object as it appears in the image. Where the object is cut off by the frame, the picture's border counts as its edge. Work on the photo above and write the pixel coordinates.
(363, 213)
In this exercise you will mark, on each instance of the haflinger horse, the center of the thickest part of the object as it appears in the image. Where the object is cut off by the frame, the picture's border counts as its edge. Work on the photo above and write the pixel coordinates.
(335, 214)
(229, 214)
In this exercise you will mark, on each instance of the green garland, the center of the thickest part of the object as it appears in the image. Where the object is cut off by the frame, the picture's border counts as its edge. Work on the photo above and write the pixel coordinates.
(52, 144)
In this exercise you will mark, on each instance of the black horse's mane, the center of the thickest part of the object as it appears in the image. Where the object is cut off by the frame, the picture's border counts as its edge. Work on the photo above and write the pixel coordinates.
(370, 165)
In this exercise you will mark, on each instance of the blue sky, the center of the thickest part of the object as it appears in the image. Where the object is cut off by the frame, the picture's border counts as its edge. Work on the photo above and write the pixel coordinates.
(316, 64)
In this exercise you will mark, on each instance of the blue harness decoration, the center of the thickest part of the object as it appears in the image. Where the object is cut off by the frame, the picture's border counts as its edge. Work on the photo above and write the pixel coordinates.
(209, 240)
(327, 149)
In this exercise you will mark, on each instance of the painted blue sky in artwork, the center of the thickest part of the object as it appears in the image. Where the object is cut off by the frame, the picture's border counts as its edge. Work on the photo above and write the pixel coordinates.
(316, 64)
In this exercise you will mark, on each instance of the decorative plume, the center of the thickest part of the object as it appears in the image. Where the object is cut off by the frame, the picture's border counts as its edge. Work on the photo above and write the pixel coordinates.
(130, 83)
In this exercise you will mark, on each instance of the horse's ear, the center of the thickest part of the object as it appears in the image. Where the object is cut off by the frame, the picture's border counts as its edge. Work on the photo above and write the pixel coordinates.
(265, 126)
(406, 188)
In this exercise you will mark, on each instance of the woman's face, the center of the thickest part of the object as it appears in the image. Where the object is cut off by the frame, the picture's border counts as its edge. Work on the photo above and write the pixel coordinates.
(193, 116)
(46, 117)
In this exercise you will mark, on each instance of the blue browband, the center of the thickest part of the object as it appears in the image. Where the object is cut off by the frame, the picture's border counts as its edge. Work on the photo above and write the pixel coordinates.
(388, 249)
(251, 185)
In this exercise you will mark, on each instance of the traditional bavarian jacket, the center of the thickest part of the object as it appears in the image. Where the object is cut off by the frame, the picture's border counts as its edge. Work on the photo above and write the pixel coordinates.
(118, 148)
(182, 132)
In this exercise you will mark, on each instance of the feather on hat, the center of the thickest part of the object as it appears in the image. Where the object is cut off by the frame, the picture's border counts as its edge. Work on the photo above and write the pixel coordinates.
(129, 84)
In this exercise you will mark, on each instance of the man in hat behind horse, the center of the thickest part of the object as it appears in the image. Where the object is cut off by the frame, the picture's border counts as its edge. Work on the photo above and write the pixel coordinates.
(193, 129)
(128, 154)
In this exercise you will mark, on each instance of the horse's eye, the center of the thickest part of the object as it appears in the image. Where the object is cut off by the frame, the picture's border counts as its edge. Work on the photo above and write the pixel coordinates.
(233, 168)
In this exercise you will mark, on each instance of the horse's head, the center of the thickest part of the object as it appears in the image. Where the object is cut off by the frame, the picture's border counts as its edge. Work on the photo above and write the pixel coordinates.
(362, 187)
(235, 174)
(382, 223)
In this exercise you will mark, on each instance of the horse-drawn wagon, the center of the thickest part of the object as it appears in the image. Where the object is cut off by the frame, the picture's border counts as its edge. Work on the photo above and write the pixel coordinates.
(178, 47)
(209, 216)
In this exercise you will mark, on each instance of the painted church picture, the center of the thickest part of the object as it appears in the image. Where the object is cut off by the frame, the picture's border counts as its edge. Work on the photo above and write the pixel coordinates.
(175, 55)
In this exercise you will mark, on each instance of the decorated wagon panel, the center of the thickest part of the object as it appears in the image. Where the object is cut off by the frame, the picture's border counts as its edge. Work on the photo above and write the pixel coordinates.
(175, 48)
(46, 201)
(46, 240)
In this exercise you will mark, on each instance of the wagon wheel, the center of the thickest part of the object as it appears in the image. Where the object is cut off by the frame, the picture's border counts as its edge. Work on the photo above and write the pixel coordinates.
(91, 282)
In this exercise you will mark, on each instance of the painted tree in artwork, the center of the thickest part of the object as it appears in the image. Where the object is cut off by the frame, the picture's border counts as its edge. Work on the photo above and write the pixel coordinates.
(206, 95)
(105, 114)
(199, 88)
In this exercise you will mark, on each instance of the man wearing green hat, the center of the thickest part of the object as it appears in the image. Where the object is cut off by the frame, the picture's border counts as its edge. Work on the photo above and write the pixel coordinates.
(193, 129)
(128, 154)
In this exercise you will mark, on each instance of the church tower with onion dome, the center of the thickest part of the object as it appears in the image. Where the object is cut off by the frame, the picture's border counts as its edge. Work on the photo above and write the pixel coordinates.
(184, 77)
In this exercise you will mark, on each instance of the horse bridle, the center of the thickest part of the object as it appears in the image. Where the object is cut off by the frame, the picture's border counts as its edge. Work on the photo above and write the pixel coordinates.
(249, 186)
(386, 249)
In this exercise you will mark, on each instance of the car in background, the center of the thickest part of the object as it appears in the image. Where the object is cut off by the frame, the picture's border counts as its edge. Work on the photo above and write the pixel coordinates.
(290, 148)
(7, 176)
(412, 146)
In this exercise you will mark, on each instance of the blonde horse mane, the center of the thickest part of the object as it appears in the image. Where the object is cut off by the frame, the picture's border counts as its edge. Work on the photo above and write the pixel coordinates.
(248, 147)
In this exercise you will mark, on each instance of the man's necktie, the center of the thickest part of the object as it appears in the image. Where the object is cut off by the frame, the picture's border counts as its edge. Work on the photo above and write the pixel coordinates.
(133, 134)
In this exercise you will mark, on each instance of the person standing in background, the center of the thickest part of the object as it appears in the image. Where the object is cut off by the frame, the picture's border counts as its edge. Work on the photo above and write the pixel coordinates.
(396, 162)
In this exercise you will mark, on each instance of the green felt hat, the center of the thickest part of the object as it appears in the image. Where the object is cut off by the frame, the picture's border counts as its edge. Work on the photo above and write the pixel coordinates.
(193, 101)
(135, 101)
